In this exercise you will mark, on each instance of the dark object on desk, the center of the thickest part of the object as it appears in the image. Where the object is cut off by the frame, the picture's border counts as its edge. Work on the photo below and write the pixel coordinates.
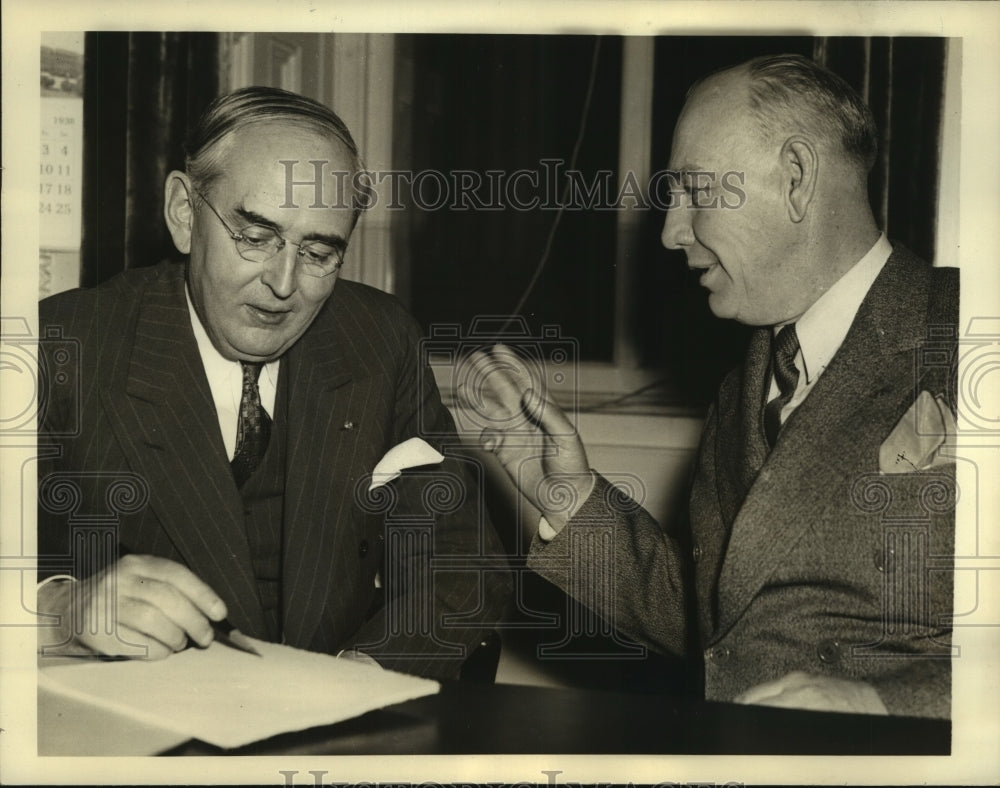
(481, 664)
(467, 718)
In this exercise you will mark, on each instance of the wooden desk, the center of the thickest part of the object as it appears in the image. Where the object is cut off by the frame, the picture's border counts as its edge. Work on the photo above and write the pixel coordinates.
(509, 719)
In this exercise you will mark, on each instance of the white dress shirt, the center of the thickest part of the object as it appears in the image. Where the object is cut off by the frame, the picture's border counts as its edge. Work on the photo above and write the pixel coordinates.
(225, 379)
(823, 326)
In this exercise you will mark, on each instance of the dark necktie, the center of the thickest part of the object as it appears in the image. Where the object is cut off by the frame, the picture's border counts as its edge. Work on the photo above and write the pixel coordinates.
(253, 428)
(784, 346)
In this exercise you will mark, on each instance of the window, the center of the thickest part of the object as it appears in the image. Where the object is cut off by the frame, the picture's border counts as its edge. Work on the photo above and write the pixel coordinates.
(514, 105)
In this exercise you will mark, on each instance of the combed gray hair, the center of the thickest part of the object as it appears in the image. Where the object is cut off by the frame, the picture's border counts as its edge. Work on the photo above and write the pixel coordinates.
(786, 88)
(234, 111)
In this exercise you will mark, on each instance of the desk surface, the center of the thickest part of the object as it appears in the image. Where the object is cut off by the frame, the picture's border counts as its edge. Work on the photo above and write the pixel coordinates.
(488, 719)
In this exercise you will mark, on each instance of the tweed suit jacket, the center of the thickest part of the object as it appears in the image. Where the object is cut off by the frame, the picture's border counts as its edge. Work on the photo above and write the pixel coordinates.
(134, 438)
(808, 557)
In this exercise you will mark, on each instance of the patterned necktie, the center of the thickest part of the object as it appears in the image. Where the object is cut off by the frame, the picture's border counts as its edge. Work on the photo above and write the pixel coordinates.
(784, 346)
(253, 429)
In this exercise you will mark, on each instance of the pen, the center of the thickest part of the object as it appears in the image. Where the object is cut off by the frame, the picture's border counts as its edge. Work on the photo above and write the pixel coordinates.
(228, 634)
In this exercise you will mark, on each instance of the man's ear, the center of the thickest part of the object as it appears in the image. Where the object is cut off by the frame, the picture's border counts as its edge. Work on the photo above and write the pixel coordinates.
(177, 209)
(800, 161)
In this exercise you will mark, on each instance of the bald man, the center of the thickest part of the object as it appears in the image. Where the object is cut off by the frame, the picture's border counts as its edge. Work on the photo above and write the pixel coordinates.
(823, 495)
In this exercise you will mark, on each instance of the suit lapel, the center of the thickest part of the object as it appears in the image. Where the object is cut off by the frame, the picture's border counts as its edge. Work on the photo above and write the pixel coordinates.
(164, 418)
(859, 390)
(745, 446)
(734, 448)
(329, 391)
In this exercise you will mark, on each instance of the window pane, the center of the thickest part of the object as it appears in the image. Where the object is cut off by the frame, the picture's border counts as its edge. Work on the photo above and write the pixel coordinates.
(508, 104)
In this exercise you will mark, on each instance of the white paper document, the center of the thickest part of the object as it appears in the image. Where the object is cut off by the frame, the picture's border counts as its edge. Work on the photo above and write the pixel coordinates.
(230, 698)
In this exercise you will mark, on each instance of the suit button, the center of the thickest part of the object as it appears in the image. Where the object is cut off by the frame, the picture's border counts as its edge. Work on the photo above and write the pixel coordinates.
(696, 552)
(363, 548)
(718, 655)
(883, 559)
(828, 652)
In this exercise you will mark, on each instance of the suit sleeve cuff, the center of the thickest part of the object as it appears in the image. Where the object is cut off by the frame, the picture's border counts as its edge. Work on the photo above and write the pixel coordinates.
(546, 533)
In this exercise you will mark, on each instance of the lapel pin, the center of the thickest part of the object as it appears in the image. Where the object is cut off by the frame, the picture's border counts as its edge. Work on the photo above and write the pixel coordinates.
(348, 425)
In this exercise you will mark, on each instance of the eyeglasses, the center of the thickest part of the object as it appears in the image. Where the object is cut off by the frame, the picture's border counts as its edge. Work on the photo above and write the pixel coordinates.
(258, 243)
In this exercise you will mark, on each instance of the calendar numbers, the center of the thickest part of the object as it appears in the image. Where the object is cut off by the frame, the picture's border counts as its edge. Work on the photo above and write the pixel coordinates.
(59, 173)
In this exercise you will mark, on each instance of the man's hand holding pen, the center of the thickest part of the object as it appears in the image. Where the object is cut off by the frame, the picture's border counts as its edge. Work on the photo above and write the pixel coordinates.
(140, 606)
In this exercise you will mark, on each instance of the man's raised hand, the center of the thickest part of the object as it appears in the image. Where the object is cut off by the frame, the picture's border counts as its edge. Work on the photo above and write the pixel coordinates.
(532, 438)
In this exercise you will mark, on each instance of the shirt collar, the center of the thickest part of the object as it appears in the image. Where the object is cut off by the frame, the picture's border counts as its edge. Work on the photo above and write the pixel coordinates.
(219, 370)
(822, 328)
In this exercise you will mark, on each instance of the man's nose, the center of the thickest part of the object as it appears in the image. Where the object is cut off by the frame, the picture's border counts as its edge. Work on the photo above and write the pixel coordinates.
(677, 232)
(280, 271)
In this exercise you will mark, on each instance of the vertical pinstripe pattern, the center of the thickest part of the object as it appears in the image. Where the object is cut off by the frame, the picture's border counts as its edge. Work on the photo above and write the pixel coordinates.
(147, 407)
(263, 498)
(164, 421)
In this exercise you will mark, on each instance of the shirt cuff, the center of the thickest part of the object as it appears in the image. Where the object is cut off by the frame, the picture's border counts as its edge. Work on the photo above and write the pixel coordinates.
(545, 531)
(53, 579)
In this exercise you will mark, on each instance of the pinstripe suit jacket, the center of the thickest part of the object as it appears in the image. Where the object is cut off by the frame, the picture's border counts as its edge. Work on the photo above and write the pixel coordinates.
(805, 557)
(138, 442)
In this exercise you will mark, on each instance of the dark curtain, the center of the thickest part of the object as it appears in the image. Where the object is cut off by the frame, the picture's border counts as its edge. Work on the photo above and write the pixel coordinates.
(902, 79)
(142, 91)
(506, 103)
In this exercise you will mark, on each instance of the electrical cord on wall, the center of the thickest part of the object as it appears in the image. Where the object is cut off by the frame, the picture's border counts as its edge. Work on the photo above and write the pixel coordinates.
(565, 193)
(543, 260)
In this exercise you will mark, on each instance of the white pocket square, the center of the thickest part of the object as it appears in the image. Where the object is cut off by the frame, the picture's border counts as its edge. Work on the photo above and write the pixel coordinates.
(410, 453)
(915, 442)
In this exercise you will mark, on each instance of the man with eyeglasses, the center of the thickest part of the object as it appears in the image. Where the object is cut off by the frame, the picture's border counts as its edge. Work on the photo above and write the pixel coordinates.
(230, 412)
